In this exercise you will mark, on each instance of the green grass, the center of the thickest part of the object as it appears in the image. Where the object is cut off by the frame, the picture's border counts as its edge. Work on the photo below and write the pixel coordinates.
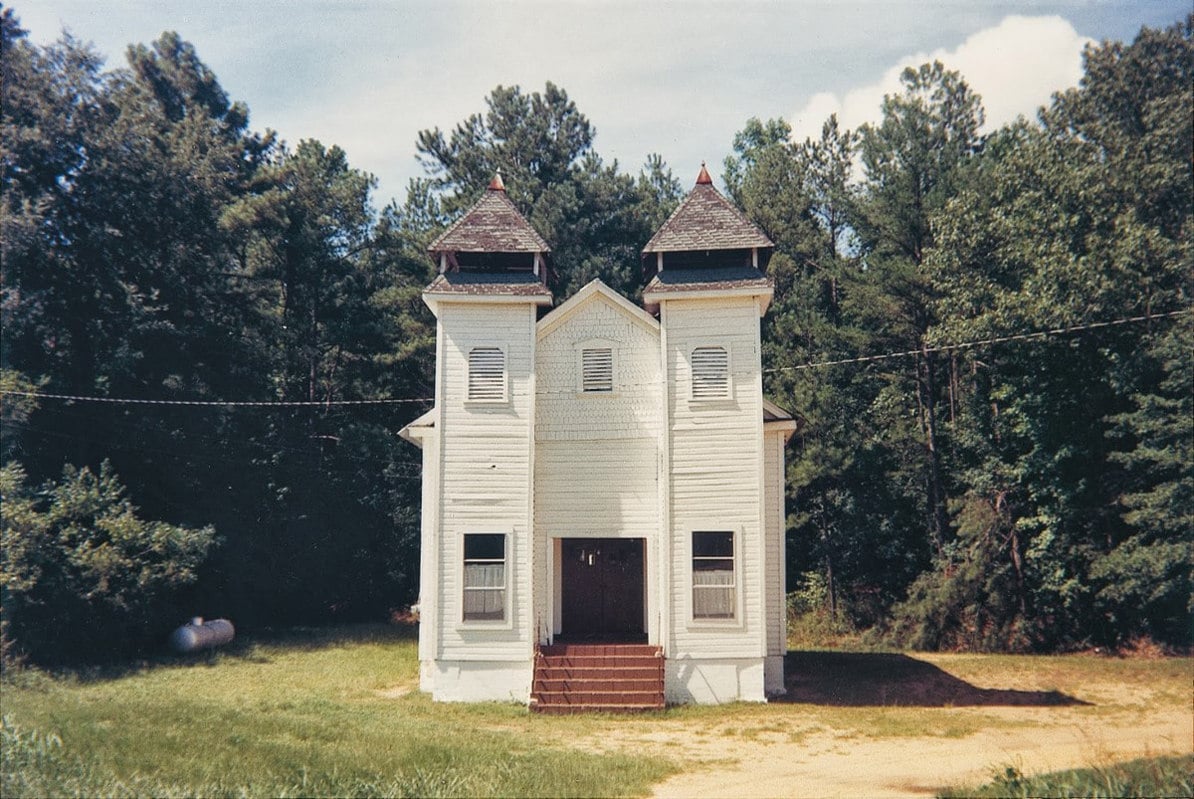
(1159, 776)
(315, 714)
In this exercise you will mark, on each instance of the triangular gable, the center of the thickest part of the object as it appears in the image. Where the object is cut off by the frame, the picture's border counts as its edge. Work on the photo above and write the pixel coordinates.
(594, 291)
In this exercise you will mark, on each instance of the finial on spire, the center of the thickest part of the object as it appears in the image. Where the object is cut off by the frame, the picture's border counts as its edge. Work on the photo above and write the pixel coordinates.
(496, 184)
(703, 179)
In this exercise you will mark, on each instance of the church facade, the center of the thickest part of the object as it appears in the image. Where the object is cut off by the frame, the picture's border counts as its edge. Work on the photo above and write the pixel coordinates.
(600, 474)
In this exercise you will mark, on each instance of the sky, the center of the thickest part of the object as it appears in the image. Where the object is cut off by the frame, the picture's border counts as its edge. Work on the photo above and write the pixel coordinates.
(652, 76)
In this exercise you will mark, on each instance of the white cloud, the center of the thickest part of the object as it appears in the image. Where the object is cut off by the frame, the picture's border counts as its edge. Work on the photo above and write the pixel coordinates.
(1014, 66)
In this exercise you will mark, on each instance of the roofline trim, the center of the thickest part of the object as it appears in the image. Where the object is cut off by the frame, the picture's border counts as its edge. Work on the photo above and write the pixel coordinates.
(594, 288)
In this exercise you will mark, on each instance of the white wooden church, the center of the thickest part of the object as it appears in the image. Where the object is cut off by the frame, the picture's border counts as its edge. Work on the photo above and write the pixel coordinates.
(603, 484)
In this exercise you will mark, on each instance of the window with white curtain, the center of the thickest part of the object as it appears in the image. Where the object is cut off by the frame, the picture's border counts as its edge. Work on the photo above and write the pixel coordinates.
(487, 374)
(484, 577)
(710, 373)
(714, 591)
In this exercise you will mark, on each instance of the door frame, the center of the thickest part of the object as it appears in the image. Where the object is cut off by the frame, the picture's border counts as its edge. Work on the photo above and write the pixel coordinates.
(556, 581)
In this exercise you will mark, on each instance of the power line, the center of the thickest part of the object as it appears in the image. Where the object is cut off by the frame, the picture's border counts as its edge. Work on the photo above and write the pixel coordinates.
(212, 403)
(1040, 334)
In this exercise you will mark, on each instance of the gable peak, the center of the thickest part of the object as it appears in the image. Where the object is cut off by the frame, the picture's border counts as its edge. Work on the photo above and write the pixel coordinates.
(703, 178)
(497, 184)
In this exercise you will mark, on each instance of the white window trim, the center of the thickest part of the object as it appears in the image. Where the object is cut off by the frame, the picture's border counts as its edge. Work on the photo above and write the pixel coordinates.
(468, 372)
(507, 620)
(729, 395)
(579, 359)
(737, 622)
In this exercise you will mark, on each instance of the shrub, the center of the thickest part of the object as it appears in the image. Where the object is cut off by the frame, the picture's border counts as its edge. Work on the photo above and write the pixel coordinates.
(80, 572)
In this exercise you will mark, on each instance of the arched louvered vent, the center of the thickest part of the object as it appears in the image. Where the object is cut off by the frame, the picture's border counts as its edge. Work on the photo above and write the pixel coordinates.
(710, 373)
(487, 374)
(597, 370)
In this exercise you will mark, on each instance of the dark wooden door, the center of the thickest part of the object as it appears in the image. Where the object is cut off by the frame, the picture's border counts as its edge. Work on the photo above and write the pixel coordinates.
(602, 587)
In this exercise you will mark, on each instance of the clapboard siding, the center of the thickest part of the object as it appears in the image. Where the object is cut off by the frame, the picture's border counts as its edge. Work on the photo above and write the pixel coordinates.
(716, 463)
(776, 599)
(626, 504)
(486, 472)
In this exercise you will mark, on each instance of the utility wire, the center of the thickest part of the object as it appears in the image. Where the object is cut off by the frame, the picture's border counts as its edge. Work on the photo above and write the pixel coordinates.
(1056, 331)
(1039, 334)
(212, 403)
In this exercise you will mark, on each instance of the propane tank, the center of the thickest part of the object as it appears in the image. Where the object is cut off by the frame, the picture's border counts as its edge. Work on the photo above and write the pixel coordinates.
(199, 634)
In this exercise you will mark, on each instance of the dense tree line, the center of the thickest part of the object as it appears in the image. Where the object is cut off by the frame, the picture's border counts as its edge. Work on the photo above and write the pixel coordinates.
(1033, 494)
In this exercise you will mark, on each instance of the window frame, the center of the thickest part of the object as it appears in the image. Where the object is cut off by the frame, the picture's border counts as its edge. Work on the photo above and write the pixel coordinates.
(505, 622)
(727, 394)
(504, 397)
(735, 587)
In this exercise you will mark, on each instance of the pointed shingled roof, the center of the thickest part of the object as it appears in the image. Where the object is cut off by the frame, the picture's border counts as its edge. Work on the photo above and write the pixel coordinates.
(705, 220)
(493, 224)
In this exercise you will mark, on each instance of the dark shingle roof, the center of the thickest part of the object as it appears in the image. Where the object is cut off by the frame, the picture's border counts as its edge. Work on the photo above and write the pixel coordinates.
(512, 284)
(492, 225)
(705, 220)
(734, 277)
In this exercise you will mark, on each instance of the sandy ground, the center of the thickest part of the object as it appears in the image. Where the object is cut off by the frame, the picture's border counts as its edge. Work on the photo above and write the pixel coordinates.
(814, 746)
(825, 765)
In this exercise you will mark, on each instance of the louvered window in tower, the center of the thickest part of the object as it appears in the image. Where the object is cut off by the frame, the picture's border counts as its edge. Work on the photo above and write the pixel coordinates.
(487, 374)
(710, 373)
(597, 370)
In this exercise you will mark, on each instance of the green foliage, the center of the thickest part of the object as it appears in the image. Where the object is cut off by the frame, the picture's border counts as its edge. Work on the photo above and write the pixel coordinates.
(1158, 776)
(82, 573)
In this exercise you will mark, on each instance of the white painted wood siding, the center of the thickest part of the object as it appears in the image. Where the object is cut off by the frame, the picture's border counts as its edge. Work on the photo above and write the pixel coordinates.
(485, 458)
(775, 565)
(716, 452)
(596, 454)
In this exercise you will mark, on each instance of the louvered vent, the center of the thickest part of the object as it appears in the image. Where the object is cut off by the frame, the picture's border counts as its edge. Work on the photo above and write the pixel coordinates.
(487, 374)
(597, 370)
(710, 373)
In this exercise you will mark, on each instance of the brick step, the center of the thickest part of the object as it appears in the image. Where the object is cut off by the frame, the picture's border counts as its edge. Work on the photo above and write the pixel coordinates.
(644, 650)
(611, 685)
(600, 661)
(571, 710)
(602, 673)
(586, 698)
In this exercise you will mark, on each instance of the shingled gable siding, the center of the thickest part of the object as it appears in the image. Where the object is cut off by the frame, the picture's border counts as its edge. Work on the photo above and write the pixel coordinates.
(596, 457)
(486, 462)
(716, 468)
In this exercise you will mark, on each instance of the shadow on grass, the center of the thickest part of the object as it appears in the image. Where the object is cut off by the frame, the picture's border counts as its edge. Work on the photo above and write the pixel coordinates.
(246, 647)
(879, 679)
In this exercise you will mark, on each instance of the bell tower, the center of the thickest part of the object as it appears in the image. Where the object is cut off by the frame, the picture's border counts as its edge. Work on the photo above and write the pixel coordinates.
(709, 290)
(479, 451)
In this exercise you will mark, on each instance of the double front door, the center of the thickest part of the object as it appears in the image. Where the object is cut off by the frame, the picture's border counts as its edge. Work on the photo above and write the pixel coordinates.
(602, 588)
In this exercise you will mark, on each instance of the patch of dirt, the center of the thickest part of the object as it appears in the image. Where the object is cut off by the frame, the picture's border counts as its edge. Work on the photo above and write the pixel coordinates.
(808, 746)
(394, 692)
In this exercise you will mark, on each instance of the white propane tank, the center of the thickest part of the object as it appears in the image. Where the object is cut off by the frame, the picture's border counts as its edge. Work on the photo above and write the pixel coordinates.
(199, 634)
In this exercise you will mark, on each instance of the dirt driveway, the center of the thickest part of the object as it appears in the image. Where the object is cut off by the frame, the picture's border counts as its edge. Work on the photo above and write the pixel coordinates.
(888, 725)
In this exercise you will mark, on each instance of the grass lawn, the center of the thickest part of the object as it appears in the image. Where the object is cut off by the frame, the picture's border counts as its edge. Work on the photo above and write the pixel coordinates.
(321, 713)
